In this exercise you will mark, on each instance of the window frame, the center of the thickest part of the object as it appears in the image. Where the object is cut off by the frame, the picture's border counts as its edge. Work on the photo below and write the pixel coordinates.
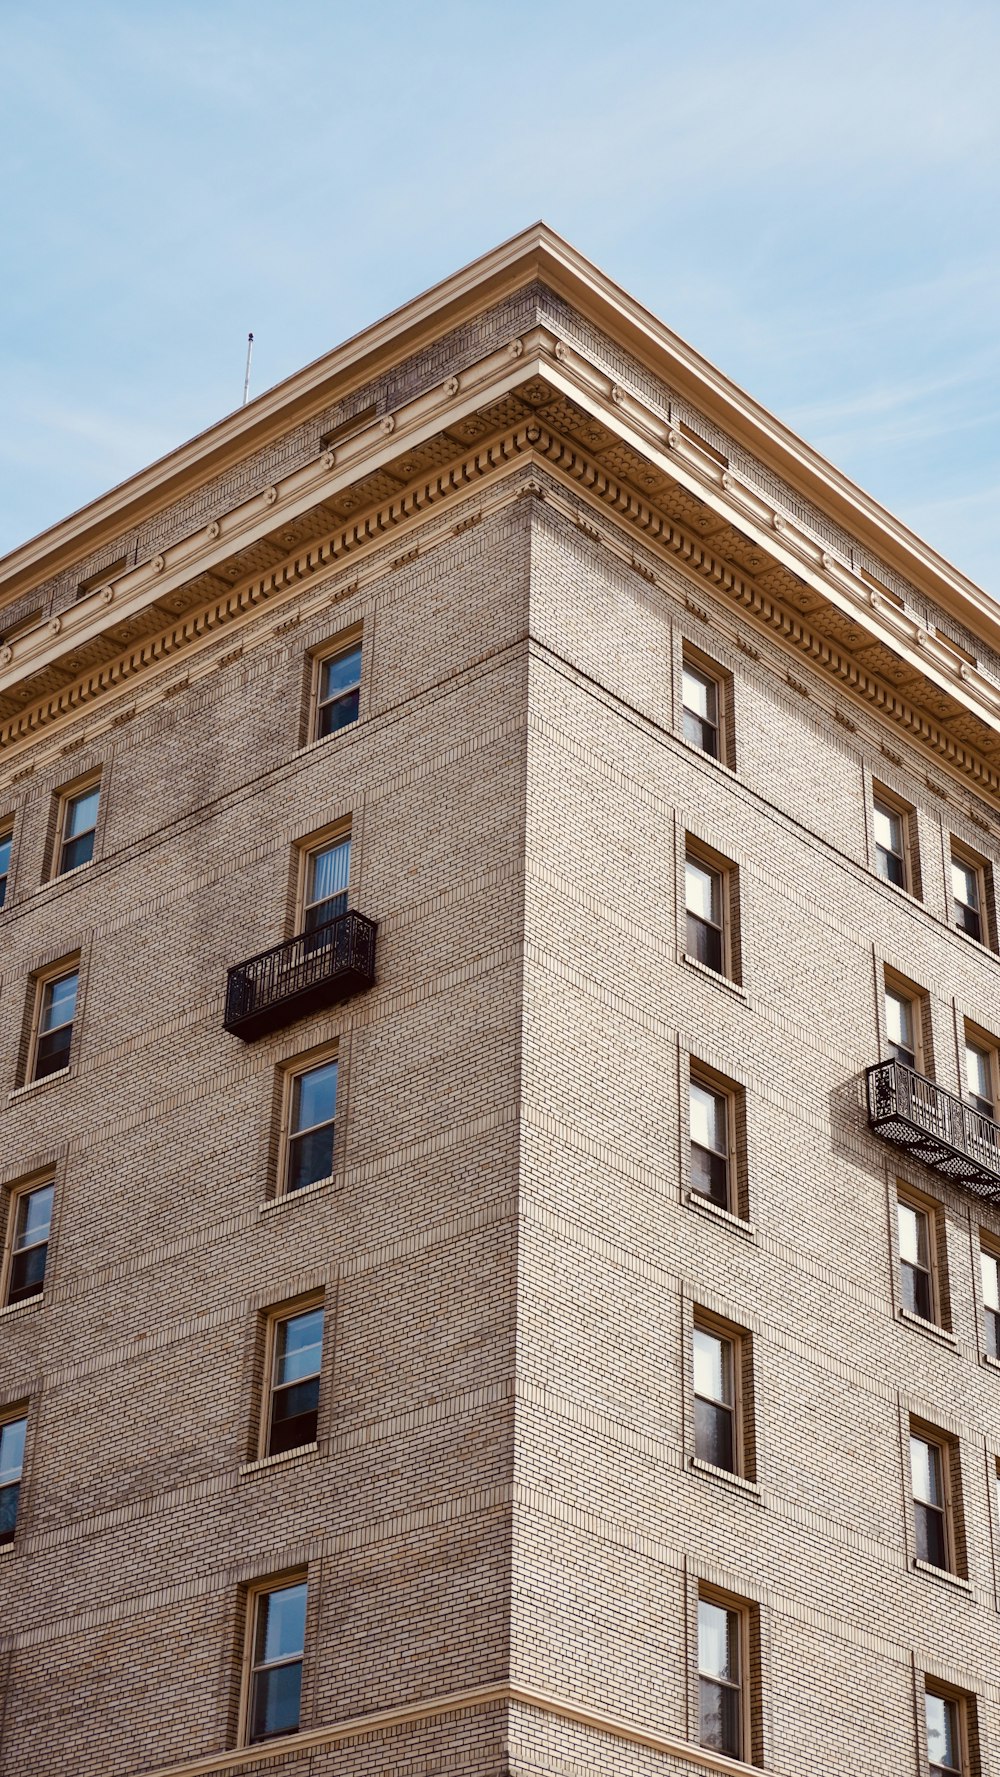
(704, 858)
(989, 1247)
(706, 1081)
(275, 1318)
(308, 849)
(936, 1272)
(67, 797)
(701, 666)
(960, 1703)
(910, 993)
(329, 651)
(735, 1339)
(935, 1438)
(15, 1414)
(886, 801)
(977, 866)
(16, 1194)
(254, 1594)
(974, 1038)
(740, 1609)
(288, 1073)
(42, 981)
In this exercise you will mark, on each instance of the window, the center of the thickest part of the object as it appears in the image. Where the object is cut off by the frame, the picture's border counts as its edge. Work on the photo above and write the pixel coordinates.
(6, 845)
(901, 1026)
(968, 899)
(980, 1071)
(890, 824)
(278, 1641)
(927, 1471)
(701, 697)
(54, 1036)
(31, 1219)
(294, 1406)
(720, 1678)
(339, 690)
(989, 1263)
(944, 1735)
(710, 1113)
(327, 872)
(705, 891)
(715, 1425)
(916, 1267)
(12, 1432)
(313, 1111)
(78, 825)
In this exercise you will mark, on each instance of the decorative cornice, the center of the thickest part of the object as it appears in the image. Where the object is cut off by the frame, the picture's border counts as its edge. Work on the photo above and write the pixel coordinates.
(477, 1697)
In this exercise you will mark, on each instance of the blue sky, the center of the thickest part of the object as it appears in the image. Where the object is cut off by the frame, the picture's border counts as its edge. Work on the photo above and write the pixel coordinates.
(809, 195)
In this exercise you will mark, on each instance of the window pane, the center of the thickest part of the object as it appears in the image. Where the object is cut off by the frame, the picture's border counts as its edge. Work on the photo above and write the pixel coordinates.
(700, 694)
(719, 1724)
(991, 1280)
(888, 828)
(81, 812)
(298, 1345)
(718, 1642)
(310, 1158)
(713, 1366)
(899, 1020)
(281, 1623)
(713, 1434)
(340, 672)
(964, 884)
(12, 1450)
(328, 871)
(914, 1247)
(916, 1285)
(294, 1417)
(34, 1217)
(708, 1119)
(925, 1467)
(277, 1701)
(942, 1733)
(6, 842)
(314, 1096)
(703, 889)
(59, 1002)
(978, 1073)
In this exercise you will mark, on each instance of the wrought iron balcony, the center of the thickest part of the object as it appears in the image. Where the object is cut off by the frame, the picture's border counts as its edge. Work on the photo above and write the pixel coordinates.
(312, 970)
(935, 1126)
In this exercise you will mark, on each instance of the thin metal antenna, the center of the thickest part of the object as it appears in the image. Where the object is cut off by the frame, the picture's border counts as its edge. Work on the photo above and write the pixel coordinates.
(246, 379)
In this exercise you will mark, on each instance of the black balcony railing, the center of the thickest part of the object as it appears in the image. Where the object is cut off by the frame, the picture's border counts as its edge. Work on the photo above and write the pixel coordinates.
(313, 970)
(935, 1126)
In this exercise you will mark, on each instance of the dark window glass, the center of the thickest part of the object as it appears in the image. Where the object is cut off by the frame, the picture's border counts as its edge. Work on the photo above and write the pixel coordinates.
(719, 1683)
(55, 1025)
(710, 1143)
(276, 1678)
(944, 1736)
(703, 899)
(298, 1345)
(714, 1410)
(327, 873)
(890, 841)
(927, 1470)
(979, 1079)
(966, 898)
(30, 1246)
(314, 1106)
(11, 1463)
(339, 690)
(6, 842)
(79, 824)
(701, 710)
(916, 1274)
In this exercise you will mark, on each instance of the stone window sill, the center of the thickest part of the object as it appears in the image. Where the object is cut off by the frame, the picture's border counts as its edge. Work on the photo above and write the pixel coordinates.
(22, 1307)
(730, 986)
(61, 1073)
(288, 1197)
(929, 1328)
(284, 1457)
(726, 1476)
(323, 740)
(6, 1549)
(941, 1573)
(704, 1206)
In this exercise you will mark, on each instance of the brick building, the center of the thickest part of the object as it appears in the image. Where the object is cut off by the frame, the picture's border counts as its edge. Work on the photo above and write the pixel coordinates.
(470, 823)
